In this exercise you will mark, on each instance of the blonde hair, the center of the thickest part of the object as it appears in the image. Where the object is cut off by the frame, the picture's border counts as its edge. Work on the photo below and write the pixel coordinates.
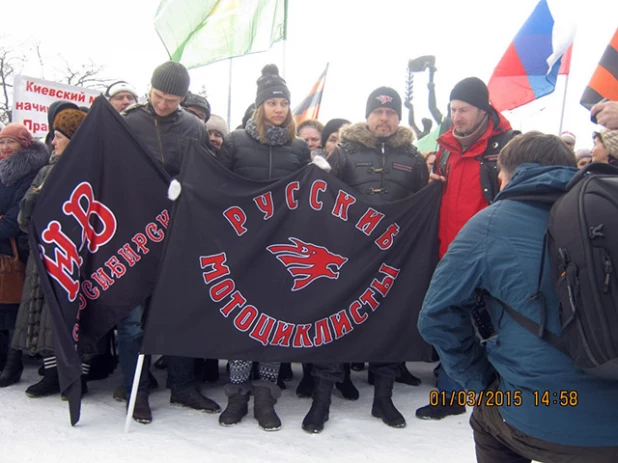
(260, 122)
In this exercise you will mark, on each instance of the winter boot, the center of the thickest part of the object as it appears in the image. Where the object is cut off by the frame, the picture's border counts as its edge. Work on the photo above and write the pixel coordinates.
(305, 387)
(161, 363)
(50, 384)
(383, 406)
(440, 411)
(13, 368)
(265, 395)
(285, 372)
(357, 366)
(347, 389)
(237, 404)
(192, 398)
(318, 413)
(141, 411)
(406, 377)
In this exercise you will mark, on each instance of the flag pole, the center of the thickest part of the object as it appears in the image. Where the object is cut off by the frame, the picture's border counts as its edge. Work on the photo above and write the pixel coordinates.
(566, 86)
(136, 379)
(285, 33)
(229, 96)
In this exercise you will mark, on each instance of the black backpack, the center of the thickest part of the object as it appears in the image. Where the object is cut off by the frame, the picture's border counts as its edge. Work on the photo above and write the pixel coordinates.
(582, 239)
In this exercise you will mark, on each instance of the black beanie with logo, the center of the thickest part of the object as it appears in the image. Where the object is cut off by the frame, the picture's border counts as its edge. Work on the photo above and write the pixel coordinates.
(271, 85)
(384, 97)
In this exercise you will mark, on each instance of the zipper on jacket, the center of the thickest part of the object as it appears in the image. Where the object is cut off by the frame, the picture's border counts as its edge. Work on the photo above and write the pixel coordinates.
(270, 162)
(156, 123)
(608, 268)
(383, 167)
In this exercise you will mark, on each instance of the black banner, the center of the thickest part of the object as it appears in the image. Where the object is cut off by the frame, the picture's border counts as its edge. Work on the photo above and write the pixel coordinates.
(99, 225)
(299, 269)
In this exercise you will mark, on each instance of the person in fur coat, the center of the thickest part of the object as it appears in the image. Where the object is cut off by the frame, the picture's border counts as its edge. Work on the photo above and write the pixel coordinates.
(21, 157)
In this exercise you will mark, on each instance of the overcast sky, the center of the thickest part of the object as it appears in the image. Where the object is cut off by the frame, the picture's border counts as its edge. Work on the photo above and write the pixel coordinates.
(368, 44)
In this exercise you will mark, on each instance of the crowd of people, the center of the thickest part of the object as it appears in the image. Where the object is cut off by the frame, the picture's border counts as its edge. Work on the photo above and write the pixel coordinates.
(483, 238)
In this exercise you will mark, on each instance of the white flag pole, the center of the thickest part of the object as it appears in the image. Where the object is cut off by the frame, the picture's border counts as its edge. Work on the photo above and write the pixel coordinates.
(134, 388)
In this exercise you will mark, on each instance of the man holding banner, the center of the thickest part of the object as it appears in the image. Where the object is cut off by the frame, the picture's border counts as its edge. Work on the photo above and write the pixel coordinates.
(377, 159)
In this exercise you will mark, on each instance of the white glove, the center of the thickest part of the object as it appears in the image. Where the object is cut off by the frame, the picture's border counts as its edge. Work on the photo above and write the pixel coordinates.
(174, 190)
(321, 163)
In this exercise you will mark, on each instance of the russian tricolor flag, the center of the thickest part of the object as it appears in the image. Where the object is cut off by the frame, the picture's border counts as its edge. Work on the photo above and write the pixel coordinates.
(539, 52)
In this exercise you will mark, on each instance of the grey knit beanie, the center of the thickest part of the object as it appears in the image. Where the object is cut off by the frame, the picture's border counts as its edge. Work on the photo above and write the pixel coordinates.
(171, 77)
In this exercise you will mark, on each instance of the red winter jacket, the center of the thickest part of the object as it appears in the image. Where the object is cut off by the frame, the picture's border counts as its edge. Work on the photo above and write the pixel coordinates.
(467, 190)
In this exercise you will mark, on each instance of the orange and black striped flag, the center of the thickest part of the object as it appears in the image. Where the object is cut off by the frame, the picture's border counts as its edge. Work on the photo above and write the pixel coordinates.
(309, 108)
(604, 81)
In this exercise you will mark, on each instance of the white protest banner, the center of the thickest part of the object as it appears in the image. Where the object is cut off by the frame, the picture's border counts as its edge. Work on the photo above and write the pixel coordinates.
(32, 97)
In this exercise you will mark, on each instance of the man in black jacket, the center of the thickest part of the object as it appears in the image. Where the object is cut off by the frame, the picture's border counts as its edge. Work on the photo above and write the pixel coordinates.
(376, 158)
(167, 131)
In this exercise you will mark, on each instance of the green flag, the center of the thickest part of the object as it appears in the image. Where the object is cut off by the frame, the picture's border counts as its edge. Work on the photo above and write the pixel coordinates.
(429, 142)
(199, 32)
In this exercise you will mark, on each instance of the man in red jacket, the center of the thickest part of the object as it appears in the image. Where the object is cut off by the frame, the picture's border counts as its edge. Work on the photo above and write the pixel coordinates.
(466, 163)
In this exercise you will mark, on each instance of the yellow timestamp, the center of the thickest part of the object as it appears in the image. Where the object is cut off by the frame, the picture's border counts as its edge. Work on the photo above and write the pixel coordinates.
(560, 398)
(488, 398)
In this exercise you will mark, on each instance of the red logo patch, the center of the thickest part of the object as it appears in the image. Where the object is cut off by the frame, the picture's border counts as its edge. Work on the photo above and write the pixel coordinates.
(384, 98)
(307, 262)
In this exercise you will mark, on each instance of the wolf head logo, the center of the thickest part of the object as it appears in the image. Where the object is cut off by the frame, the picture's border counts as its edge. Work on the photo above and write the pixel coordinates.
(307, 262)
(384, 98)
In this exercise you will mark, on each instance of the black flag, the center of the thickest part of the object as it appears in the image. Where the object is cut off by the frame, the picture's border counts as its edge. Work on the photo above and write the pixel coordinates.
(300, 269)
(99, 226)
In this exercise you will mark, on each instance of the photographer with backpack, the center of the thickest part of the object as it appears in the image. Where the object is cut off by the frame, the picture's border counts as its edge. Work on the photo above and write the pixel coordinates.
(531, 400)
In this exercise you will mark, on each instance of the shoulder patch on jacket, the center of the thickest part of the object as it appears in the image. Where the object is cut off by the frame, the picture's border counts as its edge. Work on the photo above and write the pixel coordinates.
(403, 167)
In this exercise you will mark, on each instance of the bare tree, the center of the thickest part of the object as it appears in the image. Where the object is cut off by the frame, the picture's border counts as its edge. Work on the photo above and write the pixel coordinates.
(11, 62)
(85, 75)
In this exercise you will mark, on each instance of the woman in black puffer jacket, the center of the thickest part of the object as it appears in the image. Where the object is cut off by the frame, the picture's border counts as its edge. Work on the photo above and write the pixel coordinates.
(267, 148)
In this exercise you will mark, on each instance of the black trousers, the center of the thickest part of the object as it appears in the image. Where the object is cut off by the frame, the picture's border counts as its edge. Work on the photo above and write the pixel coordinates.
(496, 441)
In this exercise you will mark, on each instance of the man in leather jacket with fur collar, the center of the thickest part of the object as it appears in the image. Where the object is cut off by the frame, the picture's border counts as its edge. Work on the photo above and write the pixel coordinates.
(377, 157)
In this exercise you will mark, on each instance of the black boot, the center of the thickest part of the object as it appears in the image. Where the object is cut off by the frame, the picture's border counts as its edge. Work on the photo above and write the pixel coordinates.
(305, 387)
(237, 404)
(318, 413)
(12, 369)
(265, 395)
(347, 388)
(406, 377)
(383, 406)
(429, 412)
(285, 372)
(49, 385)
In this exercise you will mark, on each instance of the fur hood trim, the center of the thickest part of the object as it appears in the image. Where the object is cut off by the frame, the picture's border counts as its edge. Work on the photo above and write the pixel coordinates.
(26, 160)
(359, 134)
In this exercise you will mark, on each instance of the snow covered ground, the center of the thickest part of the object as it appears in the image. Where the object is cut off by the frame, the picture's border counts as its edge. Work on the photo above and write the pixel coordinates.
(38, 430)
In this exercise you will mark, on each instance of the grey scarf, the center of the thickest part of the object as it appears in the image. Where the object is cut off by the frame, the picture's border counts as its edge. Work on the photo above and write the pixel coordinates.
(275, 135)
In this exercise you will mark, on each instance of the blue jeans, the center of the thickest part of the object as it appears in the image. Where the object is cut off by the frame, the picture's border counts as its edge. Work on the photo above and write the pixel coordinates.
(446, 383)
(130, 336)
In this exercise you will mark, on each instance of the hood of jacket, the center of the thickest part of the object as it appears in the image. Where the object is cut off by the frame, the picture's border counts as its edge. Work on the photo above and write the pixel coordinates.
(13, 168)
(360, 134)
(534, 179)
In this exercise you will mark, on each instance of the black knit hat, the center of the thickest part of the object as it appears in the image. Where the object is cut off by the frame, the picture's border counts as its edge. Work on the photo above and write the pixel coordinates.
(171, 77)
(332, 126)
(472, 90)
(270, 85)
(198, 101)
(384, 97)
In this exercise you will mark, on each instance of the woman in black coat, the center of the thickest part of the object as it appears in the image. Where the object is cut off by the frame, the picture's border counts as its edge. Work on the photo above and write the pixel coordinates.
(267, 148)
(21, 157)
